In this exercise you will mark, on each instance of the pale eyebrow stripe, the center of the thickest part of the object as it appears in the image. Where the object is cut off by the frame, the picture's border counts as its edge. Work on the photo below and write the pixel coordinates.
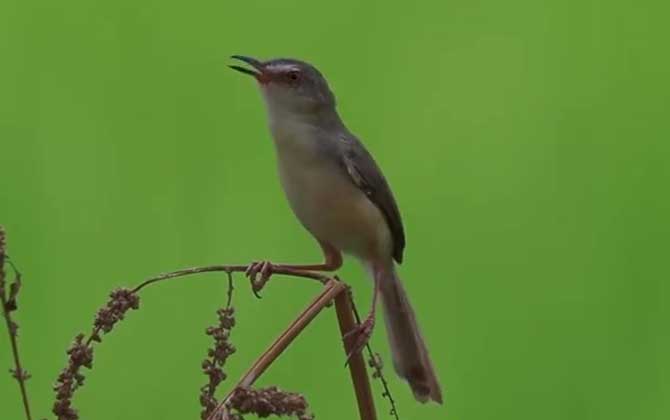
(283, 67)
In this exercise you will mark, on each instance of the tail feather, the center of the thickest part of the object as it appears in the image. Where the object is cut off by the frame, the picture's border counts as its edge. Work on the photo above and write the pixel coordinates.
(410, 355)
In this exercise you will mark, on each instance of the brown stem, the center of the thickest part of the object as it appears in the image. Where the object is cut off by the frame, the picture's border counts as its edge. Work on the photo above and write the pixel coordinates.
(20, 375)
(333, 289)
(209, 269)
(376, 365)
(214, 268)
(228, 269)
(359, 374)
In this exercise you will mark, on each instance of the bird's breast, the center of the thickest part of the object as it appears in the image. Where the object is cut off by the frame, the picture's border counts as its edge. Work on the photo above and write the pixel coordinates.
(322, 195)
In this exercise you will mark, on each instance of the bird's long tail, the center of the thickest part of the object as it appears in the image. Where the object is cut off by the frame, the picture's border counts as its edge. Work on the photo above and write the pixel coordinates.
(410, 355)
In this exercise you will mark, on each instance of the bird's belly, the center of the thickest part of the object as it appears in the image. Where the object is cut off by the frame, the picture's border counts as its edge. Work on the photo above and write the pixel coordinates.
(333, 209)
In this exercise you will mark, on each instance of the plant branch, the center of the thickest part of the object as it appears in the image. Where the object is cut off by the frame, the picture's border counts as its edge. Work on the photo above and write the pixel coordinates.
(359, 374)
(332, 289)
(375, 363)
(8, 303)
(228, 269)
(80, 353)
(218, 354)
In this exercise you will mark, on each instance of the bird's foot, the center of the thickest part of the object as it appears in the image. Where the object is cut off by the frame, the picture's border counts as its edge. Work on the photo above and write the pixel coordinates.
(259, 272)
(360, 336)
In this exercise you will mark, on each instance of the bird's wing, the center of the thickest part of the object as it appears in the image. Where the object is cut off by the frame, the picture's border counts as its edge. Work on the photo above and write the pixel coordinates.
(367, 176)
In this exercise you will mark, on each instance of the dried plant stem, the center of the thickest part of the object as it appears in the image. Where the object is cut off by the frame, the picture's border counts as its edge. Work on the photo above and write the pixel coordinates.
(80, 354)
(18, 372)
(218, 354)
(81, 351)
(332, 289)
(376, 365)
(228, 269)
(359, 374)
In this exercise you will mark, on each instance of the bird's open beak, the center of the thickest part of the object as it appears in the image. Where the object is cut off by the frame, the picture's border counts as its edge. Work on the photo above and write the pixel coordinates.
(257, 70)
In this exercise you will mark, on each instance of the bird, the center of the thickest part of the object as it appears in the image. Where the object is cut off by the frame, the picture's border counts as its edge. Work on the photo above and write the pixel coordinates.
(340, 195)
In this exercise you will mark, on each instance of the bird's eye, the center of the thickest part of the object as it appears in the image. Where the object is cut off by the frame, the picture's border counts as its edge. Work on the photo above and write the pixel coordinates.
(293, 75)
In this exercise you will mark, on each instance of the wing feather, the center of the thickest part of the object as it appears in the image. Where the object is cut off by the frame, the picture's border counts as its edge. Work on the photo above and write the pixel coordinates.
(367, 176)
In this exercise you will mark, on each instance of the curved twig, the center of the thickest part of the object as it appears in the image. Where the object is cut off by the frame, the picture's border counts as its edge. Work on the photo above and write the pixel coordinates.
(228, 269)
(80, 354)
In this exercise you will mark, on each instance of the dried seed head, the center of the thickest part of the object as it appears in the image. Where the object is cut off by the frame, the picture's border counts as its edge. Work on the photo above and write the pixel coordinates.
(270, 401)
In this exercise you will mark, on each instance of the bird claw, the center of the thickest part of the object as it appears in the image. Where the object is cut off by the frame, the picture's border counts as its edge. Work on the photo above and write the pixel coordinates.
(359, 336)
(262, 268)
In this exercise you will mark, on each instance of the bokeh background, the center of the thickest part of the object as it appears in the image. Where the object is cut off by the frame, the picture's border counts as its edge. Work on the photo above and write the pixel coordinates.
(526, 142)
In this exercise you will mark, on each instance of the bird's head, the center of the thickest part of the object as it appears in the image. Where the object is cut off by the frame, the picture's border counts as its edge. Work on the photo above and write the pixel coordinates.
(291, 85)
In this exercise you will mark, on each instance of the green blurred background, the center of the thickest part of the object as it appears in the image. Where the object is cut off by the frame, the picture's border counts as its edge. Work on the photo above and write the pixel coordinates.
(526, 142)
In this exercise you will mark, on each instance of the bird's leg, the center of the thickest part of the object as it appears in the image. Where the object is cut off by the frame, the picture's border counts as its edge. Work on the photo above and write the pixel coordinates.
(333, 261)
(363, 331)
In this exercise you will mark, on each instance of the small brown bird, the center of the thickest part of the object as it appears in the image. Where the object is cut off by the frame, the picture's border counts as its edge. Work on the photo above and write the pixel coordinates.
(340, 195)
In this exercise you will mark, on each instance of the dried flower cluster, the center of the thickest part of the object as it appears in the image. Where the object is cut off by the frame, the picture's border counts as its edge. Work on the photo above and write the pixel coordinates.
(70, 379)
(121, 300)
(269, 401)
(80, 353)
(217, 355)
